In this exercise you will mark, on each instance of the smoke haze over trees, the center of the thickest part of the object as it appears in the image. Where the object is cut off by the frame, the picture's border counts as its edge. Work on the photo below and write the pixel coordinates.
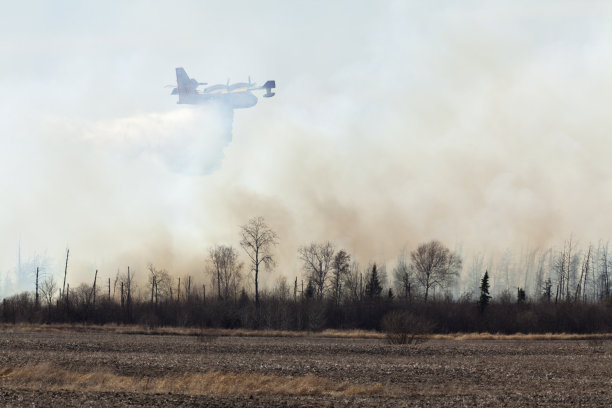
(571, 292)
(483, 127)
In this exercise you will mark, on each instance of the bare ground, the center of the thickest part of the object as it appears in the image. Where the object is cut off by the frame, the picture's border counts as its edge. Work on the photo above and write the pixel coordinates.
(435, 373)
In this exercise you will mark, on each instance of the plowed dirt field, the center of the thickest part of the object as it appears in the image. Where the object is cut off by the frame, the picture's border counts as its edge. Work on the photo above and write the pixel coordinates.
(337, 372)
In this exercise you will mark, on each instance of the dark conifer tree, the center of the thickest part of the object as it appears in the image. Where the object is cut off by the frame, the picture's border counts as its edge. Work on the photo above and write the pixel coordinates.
(484, 292)
(373, 287)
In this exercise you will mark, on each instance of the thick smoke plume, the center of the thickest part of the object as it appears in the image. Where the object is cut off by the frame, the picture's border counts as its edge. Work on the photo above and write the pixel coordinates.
(484, 128)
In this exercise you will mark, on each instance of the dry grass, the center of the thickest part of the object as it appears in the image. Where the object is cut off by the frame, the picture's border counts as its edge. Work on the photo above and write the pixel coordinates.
(521, 336)
(184, 331)
(343, 334)
(49, 377)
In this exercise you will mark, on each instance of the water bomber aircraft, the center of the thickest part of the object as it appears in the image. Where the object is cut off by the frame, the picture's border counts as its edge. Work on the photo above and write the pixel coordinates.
(236, 96)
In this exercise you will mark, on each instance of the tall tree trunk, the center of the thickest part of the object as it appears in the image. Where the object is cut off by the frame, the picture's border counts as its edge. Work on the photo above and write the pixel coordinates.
(36, 304)
(94, 287)
(152, 288)
(65, 272)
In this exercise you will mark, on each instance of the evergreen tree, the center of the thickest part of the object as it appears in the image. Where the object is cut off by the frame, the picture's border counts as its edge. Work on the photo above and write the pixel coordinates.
(484, 292)
(373, 287)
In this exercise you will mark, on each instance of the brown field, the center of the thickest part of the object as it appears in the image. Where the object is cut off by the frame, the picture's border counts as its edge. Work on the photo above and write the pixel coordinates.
(129, 366)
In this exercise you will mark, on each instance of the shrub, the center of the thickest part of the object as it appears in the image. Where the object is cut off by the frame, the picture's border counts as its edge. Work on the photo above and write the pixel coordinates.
(403, 327)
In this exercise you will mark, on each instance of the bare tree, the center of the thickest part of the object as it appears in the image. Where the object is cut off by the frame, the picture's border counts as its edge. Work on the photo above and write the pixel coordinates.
(560, 268)
(65, 272)
(564, 269)
(434, 265)
(48, 289)
(403, 277)
(353, 282)
(581, 285)
(36, 301)
(282, 289)
(540, 270)
(82, 295)
(317, 260)
(475, 272)
(603, 279)
(216, 258)
(161, 283)
(527, 265)
(127, 286)
(115, 285)
(93, 290)
(258, 240)
(187, 287)
(225, 270)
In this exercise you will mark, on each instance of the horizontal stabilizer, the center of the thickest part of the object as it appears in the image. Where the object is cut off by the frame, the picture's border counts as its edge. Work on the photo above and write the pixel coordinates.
(268, 86)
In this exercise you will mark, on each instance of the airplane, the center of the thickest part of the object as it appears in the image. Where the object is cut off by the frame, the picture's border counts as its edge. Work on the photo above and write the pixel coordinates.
(235, 96)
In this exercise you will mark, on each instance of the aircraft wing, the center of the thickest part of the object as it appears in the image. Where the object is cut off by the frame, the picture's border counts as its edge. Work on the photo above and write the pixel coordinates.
(237, 90)
(216, 89)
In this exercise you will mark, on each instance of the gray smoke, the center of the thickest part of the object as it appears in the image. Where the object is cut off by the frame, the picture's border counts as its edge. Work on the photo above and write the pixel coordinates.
(484, 127)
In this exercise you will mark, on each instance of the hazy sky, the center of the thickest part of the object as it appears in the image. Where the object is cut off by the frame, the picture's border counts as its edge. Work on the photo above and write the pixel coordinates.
(482, 124)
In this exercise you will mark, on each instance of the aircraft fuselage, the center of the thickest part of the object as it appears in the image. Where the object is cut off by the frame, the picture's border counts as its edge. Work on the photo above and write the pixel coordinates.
(237, 100)
(235, 96)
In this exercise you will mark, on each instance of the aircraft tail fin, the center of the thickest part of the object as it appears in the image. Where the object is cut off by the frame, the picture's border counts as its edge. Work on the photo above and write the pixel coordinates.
(184, 84)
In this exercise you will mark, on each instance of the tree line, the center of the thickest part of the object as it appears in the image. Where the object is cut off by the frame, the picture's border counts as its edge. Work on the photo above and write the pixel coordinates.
(333, 292)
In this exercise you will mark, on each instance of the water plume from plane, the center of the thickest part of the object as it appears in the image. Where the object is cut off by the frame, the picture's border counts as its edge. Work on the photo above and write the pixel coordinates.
(221, 100)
